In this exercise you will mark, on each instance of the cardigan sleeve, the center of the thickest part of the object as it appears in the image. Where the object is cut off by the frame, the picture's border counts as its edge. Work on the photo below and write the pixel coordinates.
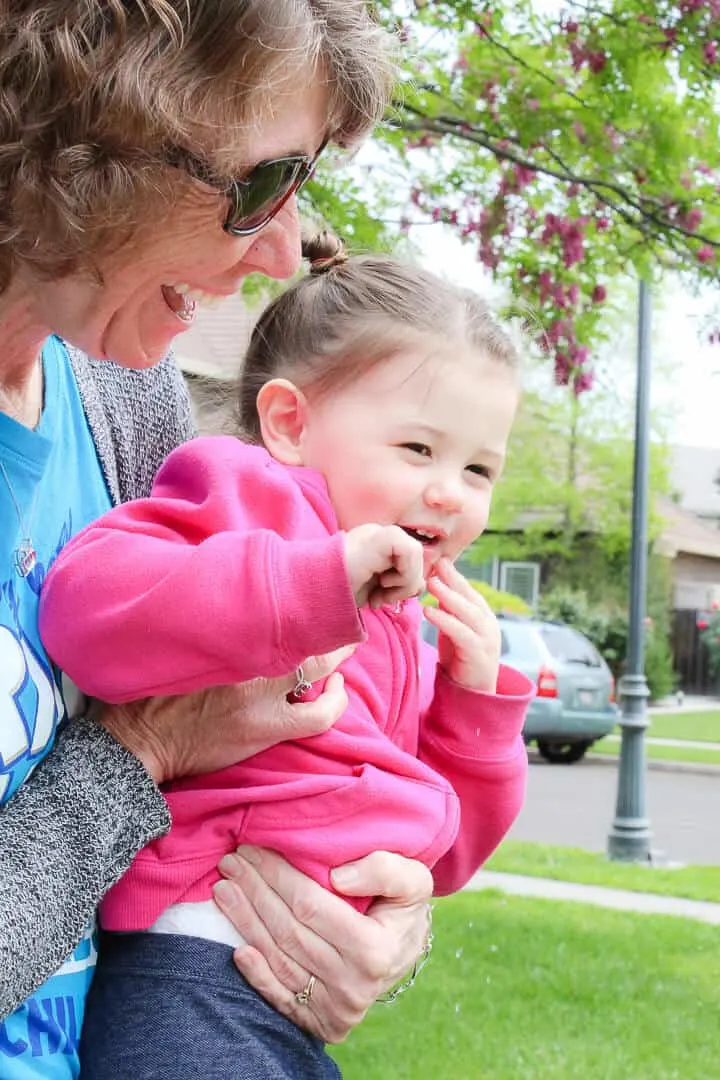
(67, 835)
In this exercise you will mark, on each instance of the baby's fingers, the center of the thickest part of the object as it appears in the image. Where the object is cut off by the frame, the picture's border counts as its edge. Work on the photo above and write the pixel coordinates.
(477, 616)
(463, 637)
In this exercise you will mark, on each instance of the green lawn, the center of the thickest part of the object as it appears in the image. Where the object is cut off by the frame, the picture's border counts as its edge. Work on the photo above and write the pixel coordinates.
(661, 753)
(523, 989)
(702, 726)
(588, 868)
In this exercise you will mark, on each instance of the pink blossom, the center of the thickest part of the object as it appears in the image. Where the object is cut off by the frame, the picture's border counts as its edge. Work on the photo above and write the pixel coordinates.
(710, 52)
(706, 255)
(583, 382)
(597, 61)
(599, 294)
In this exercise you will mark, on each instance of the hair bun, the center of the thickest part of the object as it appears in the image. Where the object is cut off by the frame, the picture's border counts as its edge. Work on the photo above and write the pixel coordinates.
(324, 252)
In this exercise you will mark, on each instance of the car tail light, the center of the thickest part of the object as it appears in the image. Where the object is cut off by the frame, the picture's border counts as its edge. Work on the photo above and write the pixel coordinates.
(612, 689)
(547, 683)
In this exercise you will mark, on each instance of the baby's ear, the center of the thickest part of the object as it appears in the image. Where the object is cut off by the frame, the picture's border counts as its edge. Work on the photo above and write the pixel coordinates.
(282, 410)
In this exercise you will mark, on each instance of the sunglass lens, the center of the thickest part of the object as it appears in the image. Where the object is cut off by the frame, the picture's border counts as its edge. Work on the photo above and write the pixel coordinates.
(264, 191)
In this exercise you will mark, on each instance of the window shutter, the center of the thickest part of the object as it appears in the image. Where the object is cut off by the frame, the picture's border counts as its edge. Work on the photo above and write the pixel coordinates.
(522, 579)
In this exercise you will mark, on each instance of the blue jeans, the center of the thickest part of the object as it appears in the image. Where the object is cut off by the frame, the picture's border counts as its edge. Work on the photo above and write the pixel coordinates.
(168, 1007)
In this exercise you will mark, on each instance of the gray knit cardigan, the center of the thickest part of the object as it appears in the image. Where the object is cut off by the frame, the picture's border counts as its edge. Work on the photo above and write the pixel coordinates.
(74, 828)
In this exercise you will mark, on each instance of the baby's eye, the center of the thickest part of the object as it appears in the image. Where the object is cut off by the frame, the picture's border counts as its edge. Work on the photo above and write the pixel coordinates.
(418, 448)
(481, 470)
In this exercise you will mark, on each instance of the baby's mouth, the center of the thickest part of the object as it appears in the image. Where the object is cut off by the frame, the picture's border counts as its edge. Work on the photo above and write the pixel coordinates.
(425, 538)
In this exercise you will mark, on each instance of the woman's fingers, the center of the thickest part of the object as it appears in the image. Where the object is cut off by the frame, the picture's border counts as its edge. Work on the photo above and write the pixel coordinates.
(384, 874)
(319, 667)
(300, 719)
(278, 910)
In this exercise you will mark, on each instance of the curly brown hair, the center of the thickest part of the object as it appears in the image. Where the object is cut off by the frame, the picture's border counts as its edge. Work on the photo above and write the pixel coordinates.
(91, 91)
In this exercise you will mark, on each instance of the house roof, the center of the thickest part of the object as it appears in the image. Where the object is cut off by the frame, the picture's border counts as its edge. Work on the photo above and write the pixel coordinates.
(685, 533)
(214, 345)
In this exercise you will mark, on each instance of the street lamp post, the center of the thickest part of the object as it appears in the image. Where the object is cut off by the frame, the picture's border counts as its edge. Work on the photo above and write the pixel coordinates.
(629, 838)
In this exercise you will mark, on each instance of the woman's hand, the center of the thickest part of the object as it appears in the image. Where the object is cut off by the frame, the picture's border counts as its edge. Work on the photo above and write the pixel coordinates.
(294, 929)
(211, 729)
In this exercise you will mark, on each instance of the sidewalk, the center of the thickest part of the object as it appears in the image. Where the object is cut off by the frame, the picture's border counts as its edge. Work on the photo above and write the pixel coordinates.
(652, 740)
(619, 899)
(689, 703)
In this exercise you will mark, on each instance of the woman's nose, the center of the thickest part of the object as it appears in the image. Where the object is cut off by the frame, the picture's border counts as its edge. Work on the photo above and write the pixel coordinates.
(275, 251)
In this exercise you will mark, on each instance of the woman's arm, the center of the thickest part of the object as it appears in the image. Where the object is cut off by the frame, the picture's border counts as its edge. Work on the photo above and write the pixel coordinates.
(73, 829)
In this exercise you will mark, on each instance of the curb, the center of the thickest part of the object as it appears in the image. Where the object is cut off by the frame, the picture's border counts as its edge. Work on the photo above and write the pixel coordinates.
(596, 895)
(698, 768)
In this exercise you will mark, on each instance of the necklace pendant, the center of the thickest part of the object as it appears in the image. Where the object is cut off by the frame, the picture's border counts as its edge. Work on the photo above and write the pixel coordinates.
(25, 557)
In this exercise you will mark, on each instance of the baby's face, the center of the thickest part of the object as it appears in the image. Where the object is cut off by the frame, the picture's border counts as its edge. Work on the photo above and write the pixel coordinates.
(419, 442)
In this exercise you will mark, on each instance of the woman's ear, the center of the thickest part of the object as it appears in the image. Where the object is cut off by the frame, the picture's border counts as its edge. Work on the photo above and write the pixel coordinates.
(282, 411)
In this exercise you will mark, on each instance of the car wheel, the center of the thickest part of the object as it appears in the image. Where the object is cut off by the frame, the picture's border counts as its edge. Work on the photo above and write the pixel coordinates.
(562, 753)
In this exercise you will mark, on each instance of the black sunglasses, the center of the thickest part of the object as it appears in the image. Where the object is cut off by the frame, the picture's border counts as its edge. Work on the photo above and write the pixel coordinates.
(260, 195)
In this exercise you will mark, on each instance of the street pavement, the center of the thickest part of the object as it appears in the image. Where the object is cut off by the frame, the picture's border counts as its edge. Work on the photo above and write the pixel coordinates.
(573, 806)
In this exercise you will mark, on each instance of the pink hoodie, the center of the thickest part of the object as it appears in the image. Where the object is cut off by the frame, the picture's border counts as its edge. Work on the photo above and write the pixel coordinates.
(234, 568)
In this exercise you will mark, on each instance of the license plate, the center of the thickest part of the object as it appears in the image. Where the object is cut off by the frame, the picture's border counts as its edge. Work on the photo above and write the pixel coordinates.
(586, 697)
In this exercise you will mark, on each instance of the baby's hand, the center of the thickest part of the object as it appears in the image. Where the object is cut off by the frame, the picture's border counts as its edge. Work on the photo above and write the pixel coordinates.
(384, 563)
(469, 635)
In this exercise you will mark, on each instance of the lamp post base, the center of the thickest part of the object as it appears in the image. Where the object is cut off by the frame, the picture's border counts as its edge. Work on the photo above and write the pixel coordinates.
(630, 838)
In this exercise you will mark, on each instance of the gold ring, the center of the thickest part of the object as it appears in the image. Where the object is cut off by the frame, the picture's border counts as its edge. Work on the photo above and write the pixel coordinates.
(303, 996)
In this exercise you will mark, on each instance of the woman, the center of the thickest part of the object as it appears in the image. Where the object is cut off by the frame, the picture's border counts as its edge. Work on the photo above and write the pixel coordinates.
(150, 154)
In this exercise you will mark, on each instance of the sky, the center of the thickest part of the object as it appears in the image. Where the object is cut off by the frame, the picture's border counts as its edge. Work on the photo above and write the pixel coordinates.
(688, 387)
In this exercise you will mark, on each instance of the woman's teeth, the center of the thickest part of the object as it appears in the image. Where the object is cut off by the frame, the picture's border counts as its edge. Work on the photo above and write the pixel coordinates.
(198, 295)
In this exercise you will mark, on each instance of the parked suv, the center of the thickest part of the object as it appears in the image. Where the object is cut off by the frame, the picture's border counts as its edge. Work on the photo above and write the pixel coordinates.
(575, 703)
(574, 706)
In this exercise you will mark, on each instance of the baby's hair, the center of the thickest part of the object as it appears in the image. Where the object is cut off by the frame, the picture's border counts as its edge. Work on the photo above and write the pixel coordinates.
(352, 312)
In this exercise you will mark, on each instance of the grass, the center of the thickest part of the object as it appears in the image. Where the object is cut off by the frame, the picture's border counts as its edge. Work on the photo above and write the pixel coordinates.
(523, 989)
(589, 868)
(662, 753)
(702, 726)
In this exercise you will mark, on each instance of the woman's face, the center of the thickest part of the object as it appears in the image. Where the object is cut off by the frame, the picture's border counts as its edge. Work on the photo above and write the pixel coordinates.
(129, 318)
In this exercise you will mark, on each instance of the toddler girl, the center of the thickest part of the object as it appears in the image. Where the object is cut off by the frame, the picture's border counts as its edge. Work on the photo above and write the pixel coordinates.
(376, 402)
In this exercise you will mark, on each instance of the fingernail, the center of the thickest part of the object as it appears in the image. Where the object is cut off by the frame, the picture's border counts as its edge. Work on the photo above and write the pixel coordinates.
(343, 876)
(230, 865)
(223, 893)
(251, 855)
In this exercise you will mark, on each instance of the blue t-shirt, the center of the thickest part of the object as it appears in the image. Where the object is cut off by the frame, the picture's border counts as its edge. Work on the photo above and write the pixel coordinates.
(57, 482)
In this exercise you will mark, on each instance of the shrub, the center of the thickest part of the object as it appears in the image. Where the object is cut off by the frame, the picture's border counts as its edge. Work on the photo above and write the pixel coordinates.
(502, 603)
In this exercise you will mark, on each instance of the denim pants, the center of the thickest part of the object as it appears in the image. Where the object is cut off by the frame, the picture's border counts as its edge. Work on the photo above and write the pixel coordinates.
(169, 1007)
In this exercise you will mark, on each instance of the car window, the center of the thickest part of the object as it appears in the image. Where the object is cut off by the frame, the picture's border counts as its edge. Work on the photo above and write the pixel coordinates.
(569, 646)
(519, 641)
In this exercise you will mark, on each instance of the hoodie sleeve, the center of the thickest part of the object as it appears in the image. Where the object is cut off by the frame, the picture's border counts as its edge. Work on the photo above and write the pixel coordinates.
(203, 583)
(475, 740)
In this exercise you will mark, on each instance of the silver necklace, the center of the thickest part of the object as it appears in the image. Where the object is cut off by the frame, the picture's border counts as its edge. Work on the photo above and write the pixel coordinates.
(24, 555)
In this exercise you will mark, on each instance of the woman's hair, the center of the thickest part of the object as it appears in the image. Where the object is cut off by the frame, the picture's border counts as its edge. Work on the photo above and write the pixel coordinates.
(92, 91)
(351, 313)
